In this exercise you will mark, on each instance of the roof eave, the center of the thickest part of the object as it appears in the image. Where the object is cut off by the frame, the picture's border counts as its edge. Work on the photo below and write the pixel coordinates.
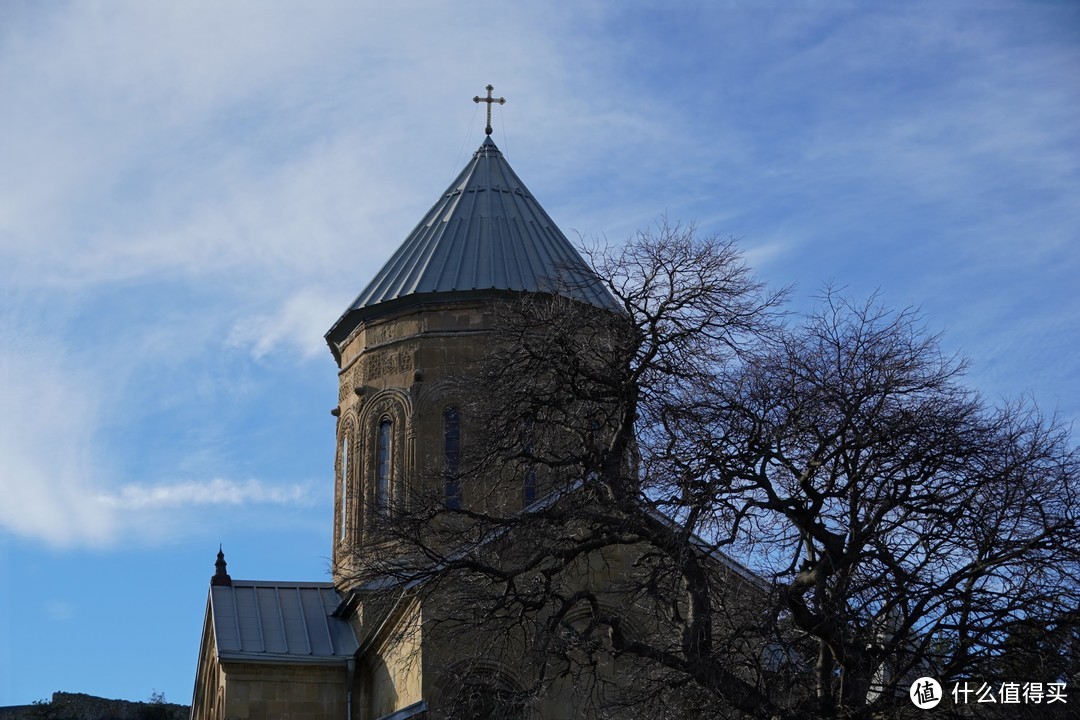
(284, 659)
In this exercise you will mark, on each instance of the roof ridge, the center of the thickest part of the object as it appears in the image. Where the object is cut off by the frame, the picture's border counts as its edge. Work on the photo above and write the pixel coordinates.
(283, 583)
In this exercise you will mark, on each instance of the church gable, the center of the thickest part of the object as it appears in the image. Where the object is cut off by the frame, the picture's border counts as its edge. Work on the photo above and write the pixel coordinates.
(273, 649)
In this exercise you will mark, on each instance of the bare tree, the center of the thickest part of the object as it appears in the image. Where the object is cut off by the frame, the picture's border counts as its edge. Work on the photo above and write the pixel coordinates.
(908, 527)
(696, 508)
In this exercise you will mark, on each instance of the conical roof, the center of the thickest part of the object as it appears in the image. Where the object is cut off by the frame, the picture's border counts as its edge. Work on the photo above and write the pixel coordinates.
(486, 233)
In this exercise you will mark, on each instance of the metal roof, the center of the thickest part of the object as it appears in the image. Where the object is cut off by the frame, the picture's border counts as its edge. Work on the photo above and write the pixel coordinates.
(486, 232)
(257, 621)
(414, 710)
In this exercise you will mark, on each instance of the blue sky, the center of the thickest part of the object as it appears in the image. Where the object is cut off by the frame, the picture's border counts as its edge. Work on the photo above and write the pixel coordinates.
(192, 192)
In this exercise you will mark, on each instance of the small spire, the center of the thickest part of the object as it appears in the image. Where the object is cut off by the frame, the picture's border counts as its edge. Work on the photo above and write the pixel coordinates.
(489, 100)
(220, 576)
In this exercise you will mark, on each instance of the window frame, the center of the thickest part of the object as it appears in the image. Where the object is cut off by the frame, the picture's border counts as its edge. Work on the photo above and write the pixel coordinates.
(384, 465)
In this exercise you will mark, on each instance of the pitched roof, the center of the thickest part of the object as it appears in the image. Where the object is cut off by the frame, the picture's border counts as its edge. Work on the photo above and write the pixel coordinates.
(486, 233)
(256, 621)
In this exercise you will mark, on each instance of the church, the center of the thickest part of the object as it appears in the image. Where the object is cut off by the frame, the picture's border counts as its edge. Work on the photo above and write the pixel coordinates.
(343, 649)
(304, 650)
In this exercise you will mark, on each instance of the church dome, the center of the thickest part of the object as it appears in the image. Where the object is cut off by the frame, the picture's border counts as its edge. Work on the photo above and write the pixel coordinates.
(486, 234)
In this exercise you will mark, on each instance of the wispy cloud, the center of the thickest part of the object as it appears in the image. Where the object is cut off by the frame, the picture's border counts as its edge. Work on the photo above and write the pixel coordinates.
(298, 325)
(219, 491)
(49, 410)
(240, 195)
(55, 472)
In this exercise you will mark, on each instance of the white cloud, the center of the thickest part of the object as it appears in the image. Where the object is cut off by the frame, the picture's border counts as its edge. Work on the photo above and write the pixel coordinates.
(219, 491)
(268, 157)
(55, 478)
(298, 324)
(200, 138)
(48, 414)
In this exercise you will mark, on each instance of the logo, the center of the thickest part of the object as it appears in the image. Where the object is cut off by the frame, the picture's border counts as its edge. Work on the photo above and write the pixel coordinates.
(926, 693)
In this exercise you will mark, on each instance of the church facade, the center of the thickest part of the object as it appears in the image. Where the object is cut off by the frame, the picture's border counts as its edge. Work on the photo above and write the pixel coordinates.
(342, 649)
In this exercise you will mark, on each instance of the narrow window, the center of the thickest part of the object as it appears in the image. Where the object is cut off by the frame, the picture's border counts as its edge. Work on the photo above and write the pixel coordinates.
(452, 456)
(529, 484)
(382, 468)
(344, 485)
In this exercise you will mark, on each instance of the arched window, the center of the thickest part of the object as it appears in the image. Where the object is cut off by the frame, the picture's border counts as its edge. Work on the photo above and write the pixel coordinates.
(344, 486)
(452, 456)
(482, 695)
(383, 467)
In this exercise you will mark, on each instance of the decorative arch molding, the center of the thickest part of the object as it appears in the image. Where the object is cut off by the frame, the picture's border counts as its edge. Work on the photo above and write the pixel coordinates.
(392, 402)
(606, 671)
(434, 396)
(393, 406)
(581, 615)
(348, 417)
(488, 682)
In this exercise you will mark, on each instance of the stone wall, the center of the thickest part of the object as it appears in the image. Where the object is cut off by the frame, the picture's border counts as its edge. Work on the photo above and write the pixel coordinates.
(260, 691)
(77, 706)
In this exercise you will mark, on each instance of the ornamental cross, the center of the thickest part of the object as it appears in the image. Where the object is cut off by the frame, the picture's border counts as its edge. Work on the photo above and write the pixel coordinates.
(489, 100)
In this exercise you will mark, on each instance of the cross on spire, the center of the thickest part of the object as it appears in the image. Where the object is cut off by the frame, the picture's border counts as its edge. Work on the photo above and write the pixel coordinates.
(489, 100)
